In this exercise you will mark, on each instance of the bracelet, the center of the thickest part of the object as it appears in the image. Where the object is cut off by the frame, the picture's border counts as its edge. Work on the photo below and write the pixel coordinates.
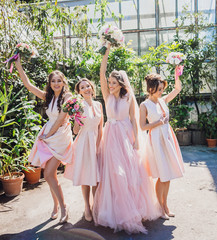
(162, 121)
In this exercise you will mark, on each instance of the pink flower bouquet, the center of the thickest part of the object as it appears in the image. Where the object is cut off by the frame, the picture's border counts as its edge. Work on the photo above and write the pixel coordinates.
(110, 34)
(175, 58)
(24, 51)
(74, 107)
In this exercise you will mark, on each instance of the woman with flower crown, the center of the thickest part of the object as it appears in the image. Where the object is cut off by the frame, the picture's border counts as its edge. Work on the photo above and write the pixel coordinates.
(84, 170)
(125, 195)
(53, 144)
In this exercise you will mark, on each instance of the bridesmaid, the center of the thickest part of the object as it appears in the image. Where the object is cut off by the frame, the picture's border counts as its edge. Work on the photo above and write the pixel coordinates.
(163, 156)
(84, 168)
(125, 195)
(53, 144)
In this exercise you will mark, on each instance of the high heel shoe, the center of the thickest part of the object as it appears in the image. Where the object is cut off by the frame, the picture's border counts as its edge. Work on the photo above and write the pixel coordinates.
(164, 217)
(64, 219)
(54, 215)
(88, 218)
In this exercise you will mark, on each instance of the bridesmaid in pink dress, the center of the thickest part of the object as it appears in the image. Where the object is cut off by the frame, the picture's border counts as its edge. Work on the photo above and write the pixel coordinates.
(163, 155)
(84, 170)
(125, 195)
(54, 142)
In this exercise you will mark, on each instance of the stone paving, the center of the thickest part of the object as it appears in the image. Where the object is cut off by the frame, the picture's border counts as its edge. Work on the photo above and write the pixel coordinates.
(193, 199)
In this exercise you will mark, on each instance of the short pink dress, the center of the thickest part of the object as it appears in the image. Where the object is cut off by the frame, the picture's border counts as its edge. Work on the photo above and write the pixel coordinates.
(163, 155)
(84, 169)
(125, 194)
(59, 145)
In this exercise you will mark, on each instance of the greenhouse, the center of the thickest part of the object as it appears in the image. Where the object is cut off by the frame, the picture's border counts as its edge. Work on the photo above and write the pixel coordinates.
(105, 102)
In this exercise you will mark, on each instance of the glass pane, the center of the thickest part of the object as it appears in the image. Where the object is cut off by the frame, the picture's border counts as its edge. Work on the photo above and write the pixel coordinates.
(212, 80)
(113, 7)
(208, 35)
(208, 8)
(147, 39)
(147, 14)
(185, 3)
(90, 15)
(129, 10)
(167, 13)
(133, 37)
(182, 35)
(166, 36)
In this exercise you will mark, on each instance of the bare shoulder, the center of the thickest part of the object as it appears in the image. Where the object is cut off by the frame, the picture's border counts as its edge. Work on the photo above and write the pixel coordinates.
(68, 95)
(143, 104)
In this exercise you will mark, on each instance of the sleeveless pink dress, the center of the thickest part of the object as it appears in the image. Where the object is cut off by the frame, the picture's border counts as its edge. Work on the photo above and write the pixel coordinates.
(59, 145)
(163, 155)
(125, 194)
(84, 169)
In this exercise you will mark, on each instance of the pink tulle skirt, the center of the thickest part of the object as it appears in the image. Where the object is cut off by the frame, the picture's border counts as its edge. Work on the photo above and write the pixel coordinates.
(125, 195)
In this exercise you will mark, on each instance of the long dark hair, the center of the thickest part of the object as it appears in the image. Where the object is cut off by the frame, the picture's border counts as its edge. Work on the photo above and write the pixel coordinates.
(119, 78)
(50, 93)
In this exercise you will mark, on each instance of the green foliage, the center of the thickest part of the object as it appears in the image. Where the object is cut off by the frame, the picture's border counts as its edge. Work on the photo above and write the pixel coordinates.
(180, 116)
(208, 122)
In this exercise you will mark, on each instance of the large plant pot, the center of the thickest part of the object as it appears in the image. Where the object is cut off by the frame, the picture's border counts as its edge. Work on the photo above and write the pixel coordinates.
(198, 138)
(12, 186)
(211, 142)
(33, 175)
(184, 137)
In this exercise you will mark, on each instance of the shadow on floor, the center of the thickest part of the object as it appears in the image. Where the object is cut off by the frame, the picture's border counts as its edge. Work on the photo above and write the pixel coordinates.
(88, 231)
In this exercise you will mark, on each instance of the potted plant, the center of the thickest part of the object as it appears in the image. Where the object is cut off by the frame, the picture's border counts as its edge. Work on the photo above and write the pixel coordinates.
(10, 173)
(208, 122)
(180, 121)
(32, 173)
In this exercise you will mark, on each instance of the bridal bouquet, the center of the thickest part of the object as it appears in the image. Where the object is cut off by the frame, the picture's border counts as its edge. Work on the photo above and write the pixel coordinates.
(74, 107)
(24, 51)
(175, 58)
(110, 34)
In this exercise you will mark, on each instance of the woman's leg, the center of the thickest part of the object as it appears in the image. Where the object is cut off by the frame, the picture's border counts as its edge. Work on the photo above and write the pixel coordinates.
(86, 196)
(50, 175)
(159, 192)
(165, 194)
(94, 190)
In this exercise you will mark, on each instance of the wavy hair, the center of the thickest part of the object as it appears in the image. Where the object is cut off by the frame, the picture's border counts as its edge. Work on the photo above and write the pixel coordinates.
(118, 76)
(50, 93)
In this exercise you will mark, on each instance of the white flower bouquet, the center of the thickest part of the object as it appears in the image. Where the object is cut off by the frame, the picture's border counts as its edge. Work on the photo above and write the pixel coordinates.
(175, 58)
(110, 34)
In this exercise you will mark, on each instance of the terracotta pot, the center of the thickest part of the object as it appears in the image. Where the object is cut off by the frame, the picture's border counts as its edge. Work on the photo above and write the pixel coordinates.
(33, 176)
(211, 142)
(12, 186)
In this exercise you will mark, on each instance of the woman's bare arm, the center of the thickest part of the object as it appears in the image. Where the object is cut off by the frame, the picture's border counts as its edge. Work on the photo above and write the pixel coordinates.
(36, 91)
(103, 80)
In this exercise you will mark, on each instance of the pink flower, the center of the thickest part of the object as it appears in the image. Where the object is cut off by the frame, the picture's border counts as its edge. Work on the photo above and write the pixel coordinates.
(18, 45)
(107, 30)
(76, 107)
(74, 100)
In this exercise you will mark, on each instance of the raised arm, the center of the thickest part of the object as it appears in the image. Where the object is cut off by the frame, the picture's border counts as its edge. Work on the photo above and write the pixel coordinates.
(59, 122)
(103, 80)
(149, 126)
(36, 91)
(178, 87)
